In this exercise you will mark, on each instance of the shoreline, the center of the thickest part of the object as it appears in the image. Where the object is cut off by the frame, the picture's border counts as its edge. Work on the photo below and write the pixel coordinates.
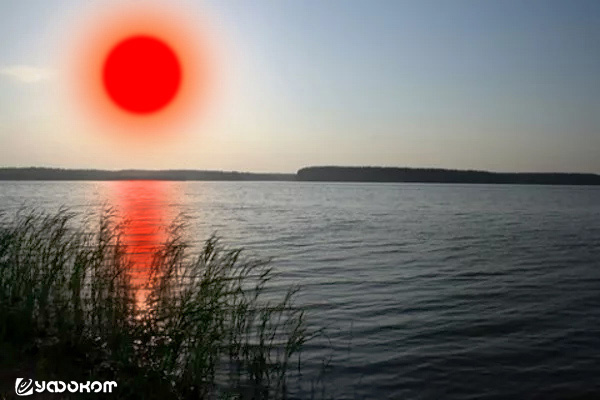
(309, 174)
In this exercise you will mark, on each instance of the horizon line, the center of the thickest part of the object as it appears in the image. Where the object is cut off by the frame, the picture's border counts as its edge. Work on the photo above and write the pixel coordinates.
(287, 173)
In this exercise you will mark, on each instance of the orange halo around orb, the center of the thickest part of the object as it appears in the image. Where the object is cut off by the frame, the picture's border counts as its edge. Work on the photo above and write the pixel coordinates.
(141, 70)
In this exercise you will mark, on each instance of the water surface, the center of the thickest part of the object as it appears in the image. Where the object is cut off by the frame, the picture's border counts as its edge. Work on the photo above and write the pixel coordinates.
(426, 291)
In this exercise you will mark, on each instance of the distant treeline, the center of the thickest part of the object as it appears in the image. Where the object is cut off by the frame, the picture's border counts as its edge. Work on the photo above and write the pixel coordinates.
(326, 174)
(57, 174)
(433, 175)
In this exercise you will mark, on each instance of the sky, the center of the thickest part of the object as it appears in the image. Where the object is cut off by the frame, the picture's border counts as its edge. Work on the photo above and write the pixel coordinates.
(492, 85)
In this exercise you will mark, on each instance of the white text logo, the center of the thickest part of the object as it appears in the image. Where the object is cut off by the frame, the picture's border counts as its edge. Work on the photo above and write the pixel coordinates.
(25, 387)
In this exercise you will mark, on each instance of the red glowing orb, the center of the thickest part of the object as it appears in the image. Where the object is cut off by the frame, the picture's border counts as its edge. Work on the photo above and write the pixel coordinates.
(142, 71)
(141, 74)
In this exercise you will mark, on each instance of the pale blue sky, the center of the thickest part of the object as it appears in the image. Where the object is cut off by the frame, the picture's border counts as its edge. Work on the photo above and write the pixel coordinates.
(500, 85)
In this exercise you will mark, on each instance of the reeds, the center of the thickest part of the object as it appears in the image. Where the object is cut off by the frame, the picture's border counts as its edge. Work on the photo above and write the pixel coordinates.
(208, 328)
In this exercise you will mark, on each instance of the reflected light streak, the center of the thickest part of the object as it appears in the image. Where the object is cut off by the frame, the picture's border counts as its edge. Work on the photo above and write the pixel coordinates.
(144, 207)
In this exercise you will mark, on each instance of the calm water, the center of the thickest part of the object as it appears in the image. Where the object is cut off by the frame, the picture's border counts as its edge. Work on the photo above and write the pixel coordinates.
(425, 291)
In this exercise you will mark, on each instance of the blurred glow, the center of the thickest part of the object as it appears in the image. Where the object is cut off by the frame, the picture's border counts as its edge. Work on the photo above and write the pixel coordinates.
(98, 34)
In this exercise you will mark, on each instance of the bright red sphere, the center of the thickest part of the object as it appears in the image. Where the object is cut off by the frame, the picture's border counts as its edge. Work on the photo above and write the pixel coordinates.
(141, 74)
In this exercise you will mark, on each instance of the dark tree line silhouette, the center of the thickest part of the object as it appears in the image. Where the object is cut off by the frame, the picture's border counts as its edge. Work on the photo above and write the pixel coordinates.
(58, 174)
(436, 175)
(326, 174)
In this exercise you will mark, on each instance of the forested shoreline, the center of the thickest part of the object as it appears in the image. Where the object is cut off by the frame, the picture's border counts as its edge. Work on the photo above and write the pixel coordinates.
(315, 174)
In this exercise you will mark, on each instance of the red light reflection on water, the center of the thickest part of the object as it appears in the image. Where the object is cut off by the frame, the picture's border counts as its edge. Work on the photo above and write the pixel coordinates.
(144, 207)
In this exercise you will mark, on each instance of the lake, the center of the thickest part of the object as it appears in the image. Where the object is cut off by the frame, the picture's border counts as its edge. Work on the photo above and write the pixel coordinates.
(425, 291)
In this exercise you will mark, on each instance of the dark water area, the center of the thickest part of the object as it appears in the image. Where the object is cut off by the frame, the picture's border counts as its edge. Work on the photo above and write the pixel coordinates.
(425, 291)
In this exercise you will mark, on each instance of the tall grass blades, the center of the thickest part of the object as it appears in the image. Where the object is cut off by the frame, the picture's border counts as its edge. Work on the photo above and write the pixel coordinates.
(208, 328)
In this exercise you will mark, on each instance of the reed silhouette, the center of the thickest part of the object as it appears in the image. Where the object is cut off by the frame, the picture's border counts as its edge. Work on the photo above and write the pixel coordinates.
(68, 311)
